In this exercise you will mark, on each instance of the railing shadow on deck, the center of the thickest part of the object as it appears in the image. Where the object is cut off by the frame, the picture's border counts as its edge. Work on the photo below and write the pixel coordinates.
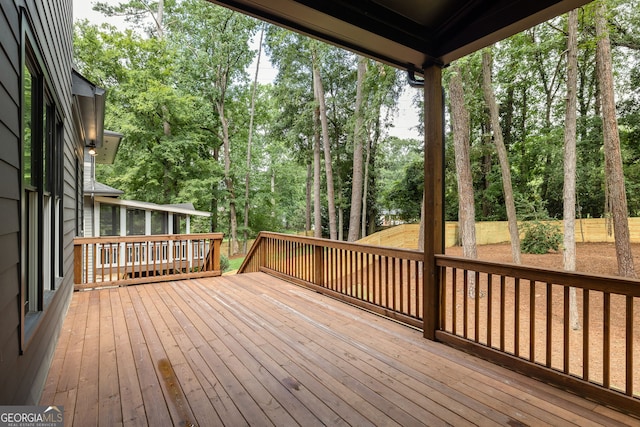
(513, 315)
(120, 261)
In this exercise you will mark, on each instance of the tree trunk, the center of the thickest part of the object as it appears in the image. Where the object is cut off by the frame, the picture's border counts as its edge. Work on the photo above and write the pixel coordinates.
(358, 137)
(612, 157)
(569, 192)
(466, 205)
(317, 213)
(365, 190)
(228, 181)
(502, 154)
(247, 175)
(319, 93)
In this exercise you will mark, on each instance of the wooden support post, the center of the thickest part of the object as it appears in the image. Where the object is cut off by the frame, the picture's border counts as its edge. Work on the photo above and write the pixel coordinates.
(216, 253)
(433, 196)
(318, 265)
(77, 264)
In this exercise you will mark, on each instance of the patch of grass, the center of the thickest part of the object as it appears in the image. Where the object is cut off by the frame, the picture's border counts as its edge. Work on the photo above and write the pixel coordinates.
(235, 263)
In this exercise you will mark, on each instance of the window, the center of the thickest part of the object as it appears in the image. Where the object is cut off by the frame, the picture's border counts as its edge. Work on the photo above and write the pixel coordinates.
(42, 206)
(135, 222)
(159, 222)
(179, 224)
(109, 220)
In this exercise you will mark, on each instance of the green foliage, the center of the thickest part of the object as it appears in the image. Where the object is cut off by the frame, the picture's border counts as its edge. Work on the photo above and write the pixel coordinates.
(224, 263)
(540, 237)
(181, 75)
(235, 263)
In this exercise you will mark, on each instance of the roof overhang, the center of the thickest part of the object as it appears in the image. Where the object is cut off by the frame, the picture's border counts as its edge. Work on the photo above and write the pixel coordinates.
(134, 204)
(409, 34)
(89, 103)
(106, 153)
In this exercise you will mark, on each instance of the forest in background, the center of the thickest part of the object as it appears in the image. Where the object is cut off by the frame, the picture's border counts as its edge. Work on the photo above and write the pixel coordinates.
(198, 128)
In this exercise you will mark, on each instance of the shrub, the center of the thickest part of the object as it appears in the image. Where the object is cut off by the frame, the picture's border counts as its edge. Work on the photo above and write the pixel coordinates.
(224, 263)
(541, 237)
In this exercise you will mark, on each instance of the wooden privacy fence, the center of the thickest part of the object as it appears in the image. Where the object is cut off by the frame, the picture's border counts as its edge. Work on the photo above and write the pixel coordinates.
(520, 317)
(513, 315)
(384, 280)
(119, 261)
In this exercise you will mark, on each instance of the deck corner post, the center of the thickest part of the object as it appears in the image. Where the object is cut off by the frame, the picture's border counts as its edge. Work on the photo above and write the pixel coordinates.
(216, 254)
(433, 196)
(77, 263)
(318, 263)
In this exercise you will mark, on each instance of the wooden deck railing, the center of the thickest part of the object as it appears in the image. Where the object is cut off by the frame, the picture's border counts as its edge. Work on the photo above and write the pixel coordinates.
(520, 317)
(119, 261)
(513, 315)
(384, 280)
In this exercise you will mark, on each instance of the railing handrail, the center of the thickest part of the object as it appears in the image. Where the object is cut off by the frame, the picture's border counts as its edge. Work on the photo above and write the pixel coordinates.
(147, 238)
(593, 282)
(409, 254)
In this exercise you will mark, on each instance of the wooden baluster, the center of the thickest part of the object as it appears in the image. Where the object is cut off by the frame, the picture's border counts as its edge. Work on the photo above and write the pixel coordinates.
(606, 345)
(476, 327)
(489, 310)
(629, 347)
(565, 326)
(443, 298)
(585, 334)
(454, 311)
(465, 296)
(502, 311)
(516, 322)
(532, 320)
(402, 285)
(549, 324)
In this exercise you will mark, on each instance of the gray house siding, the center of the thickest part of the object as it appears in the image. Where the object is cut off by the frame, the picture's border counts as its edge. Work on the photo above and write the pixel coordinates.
(24, 362)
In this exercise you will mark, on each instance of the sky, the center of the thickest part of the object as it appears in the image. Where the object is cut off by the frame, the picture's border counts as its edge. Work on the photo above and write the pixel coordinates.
(405, 120)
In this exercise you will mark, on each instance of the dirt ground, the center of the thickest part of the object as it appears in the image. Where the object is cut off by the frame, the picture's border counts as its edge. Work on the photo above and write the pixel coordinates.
(594, 258)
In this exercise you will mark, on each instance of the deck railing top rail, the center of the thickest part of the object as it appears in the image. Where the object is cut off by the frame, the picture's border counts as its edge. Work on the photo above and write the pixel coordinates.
(594, 282)
(333, 244)
(147, 238)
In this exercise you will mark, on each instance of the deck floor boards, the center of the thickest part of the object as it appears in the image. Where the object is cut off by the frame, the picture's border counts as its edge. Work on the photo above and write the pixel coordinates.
(255, 350)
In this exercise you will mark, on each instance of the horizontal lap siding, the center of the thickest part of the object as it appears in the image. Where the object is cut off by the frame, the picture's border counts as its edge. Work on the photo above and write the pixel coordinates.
(9, 197)
(22, 376)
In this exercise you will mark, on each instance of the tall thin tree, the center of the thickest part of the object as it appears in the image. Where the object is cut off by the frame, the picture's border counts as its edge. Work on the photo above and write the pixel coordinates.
(569, 191)
(359, 135)
(317, 212)
(498, 140)
(461, 142)
(320, 99)
(612, 156)
(252, 113)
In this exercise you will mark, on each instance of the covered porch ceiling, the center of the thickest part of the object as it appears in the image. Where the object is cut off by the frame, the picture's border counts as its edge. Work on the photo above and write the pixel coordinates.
(408, 34)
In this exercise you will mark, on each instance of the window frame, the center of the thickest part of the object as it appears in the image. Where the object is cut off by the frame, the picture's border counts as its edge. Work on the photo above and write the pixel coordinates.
(41, 231)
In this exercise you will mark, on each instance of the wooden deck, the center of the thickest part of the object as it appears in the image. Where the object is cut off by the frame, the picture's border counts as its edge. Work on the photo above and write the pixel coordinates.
(254, 350)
